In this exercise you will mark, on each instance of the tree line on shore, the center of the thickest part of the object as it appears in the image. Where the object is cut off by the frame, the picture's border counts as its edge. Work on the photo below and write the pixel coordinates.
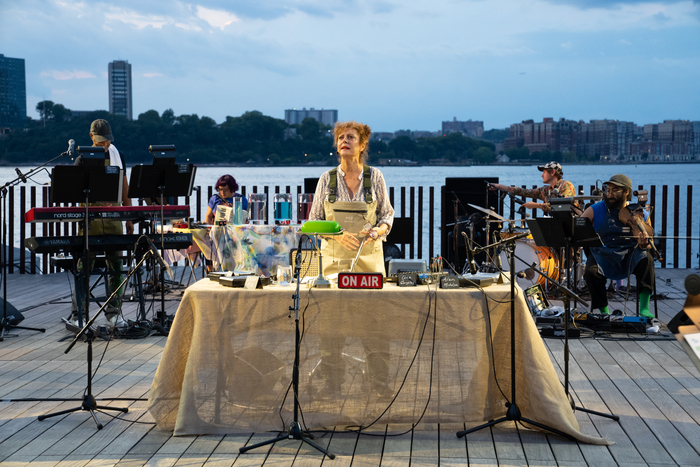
(252, 138)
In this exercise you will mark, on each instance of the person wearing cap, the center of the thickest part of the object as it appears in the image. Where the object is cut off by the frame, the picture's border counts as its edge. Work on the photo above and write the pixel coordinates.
(555, 187)
(101, 135)
(619, 256)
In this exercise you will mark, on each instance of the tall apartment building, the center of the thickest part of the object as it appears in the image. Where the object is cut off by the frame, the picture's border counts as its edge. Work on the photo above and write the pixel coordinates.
(548, 134)
(468, 128)
(13, 93)
(119, 76)
(325, 116)
(671, 140)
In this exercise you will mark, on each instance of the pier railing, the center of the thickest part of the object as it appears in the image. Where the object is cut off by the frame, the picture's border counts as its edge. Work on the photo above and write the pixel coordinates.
(675, 218)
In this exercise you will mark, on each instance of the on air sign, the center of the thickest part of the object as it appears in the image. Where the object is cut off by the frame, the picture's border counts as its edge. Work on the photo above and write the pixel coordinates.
(360, 280)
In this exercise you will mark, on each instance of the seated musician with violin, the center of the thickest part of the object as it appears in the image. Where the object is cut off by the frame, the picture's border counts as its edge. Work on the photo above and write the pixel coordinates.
(627, 242)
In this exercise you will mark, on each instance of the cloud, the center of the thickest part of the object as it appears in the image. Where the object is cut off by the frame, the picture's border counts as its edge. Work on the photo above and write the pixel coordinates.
(63, 75)
(217, 18)
(152, 75)
(566, 45)
(625, 42)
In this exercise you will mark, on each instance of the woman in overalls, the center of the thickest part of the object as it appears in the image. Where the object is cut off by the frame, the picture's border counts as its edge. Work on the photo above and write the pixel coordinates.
(354, 195)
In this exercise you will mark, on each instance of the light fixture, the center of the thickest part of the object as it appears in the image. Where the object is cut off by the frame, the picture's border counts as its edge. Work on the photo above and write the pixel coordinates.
(324, 228)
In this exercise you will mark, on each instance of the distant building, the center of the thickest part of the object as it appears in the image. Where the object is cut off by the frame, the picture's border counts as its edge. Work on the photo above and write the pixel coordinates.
(672, 140)
(325, 116)
(468, 128)
(13, 93)
(119, 76)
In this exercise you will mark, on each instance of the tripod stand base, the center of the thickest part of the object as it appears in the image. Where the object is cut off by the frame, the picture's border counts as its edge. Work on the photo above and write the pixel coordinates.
(592, 412)
(513, 414)
(294, 432)
(89, 405)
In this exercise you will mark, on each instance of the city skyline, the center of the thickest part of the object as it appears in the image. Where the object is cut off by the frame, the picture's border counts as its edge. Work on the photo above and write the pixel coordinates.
(392, 66)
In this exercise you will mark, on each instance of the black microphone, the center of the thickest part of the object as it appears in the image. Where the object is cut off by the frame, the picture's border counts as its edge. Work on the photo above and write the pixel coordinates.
(156, 254)
(470, 255)
(71, 148)
(21, 176)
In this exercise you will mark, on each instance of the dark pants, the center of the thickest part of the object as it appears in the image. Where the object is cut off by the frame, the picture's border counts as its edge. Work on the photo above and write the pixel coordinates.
(596, 281)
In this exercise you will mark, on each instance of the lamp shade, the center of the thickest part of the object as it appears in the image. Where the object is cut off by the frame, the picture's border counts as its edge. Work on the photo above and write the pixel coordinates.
(321, 228)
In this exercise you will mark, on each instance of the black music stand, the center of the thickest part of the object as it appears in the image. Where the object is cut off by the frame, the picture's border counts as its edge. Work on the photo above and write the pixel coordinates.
(164, 178)
(513, 411)
(87, 183)
(566, 230)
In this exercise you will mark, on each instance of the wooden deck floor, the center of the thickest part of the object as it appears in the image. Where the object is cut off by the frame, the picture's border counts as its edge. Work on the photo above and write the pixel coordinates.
(648, 381)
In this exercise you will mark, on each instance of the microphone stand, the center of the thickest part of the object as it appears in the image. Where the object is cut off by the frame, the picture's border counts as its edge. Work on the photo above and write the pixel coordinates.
(5, 324)
(513, 412)
(294, 431)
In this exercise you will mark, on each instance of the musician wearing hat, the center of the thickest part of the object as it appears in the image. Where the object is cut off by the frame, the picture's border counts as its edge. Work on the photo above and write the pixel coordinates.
(555, 187)
(620, 254)
(101, 135)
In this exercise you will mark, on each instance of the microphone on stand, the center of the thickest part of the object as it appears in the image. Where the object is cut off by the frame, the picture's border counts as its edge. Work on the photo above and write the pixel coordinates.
(470, 255)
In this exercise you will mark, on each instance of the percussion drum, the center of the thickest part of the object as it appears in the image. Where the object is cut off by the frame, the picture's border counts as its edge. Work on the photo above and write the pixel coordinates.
(544, 258)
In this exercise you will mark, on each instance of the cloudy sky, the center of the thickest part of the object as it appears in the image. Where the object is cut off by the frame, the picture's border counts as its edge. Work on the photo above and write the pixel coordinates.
(393, 64)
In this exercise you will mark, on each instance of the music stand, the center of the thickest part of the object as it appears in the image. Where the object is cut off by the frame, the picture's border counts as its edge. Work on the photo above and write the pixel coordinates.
(87, 183)
(576, 232)
(163, 178)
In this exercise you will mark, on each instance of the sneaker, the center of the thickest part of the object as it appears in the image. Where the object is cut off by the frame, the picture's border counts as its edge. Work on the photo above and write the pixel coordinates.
(646, 314)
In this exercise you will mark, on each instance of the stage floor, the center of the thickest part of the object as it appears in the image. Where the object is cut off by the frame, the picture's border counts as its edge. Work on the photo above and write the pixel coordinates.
(647, 380)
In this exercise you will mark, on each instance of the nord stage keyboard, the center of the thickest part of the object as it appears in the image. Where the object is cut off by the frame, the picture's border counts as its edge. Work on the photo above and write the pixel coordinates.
(40, 245)
(117, 213)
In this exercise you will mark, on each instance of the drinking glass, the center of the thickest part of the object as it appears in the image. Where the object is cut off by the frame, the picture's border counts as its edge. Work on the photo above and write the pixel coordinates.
(257, 208)
(284, 275)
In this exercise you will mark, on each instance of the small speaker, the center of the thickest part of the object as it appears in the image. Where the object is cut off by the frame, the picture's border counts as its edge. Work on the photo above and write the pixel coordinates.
(692, 284)
(14, 317)
(309, 262)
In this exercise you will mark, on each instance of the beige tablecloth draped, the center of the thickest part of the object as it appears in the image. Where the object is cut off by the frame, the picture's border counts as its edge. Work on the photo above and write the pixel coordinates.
(227, 365)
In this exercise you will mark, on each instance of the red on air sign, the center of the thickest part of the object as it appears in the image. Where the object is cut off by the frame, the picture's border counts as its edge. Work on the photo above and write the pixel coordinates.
(360, 280)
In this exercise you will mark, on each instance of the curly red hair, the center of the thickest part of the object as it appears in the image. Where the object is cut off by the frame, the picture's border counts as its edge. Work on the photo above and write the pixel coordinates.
(363, 130)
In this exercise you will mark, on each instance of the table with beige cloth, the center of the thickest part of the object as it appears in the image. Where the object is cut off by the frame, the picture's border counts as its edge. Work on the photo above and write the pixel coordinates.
(227, 365)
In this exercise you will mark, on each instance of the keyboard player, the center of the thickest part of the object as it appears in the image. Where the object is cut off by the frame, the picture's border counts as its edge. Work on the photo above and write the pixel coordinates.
(101, 135)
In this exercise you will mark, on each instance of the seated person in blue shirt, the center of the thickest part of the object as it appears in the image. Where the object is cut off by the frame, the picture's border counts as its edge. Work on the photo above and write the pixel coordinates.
(620, 254)
(225, 187)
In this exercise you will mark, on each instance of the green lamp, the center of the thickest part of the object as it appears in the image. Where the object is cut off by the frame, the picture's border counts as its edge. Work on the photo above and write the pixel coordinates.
(323, 228)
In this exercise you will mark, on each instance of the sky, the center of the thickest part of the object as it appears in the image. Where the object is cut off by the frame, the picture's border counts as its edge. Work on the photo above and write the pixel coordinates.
(392, 64)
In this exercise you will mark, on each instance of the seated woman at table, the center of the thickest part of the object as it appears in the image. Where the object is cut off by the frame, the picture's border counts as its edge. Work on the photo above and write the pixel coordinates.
(354, 195)
(225, 187)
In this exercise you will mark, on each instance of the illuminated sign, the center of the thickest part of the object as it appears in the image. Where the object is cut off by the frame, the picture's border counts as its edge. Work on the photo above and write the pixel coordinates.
(360, 280)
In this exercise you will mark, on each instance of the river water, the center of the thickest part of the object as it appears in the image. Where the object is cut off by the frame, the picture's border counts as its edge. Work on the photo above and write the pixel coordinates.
(427, 176)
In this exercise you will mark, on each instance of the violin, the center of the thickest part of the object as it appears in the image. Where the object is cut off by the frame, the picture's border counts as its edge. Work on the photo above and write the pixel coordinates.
(634, 219)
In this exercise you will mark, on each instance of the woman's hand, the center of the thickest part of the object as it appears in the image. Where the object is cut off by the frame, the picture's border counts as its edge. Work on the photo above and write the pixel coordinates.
(374, 233)
(347, 240)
